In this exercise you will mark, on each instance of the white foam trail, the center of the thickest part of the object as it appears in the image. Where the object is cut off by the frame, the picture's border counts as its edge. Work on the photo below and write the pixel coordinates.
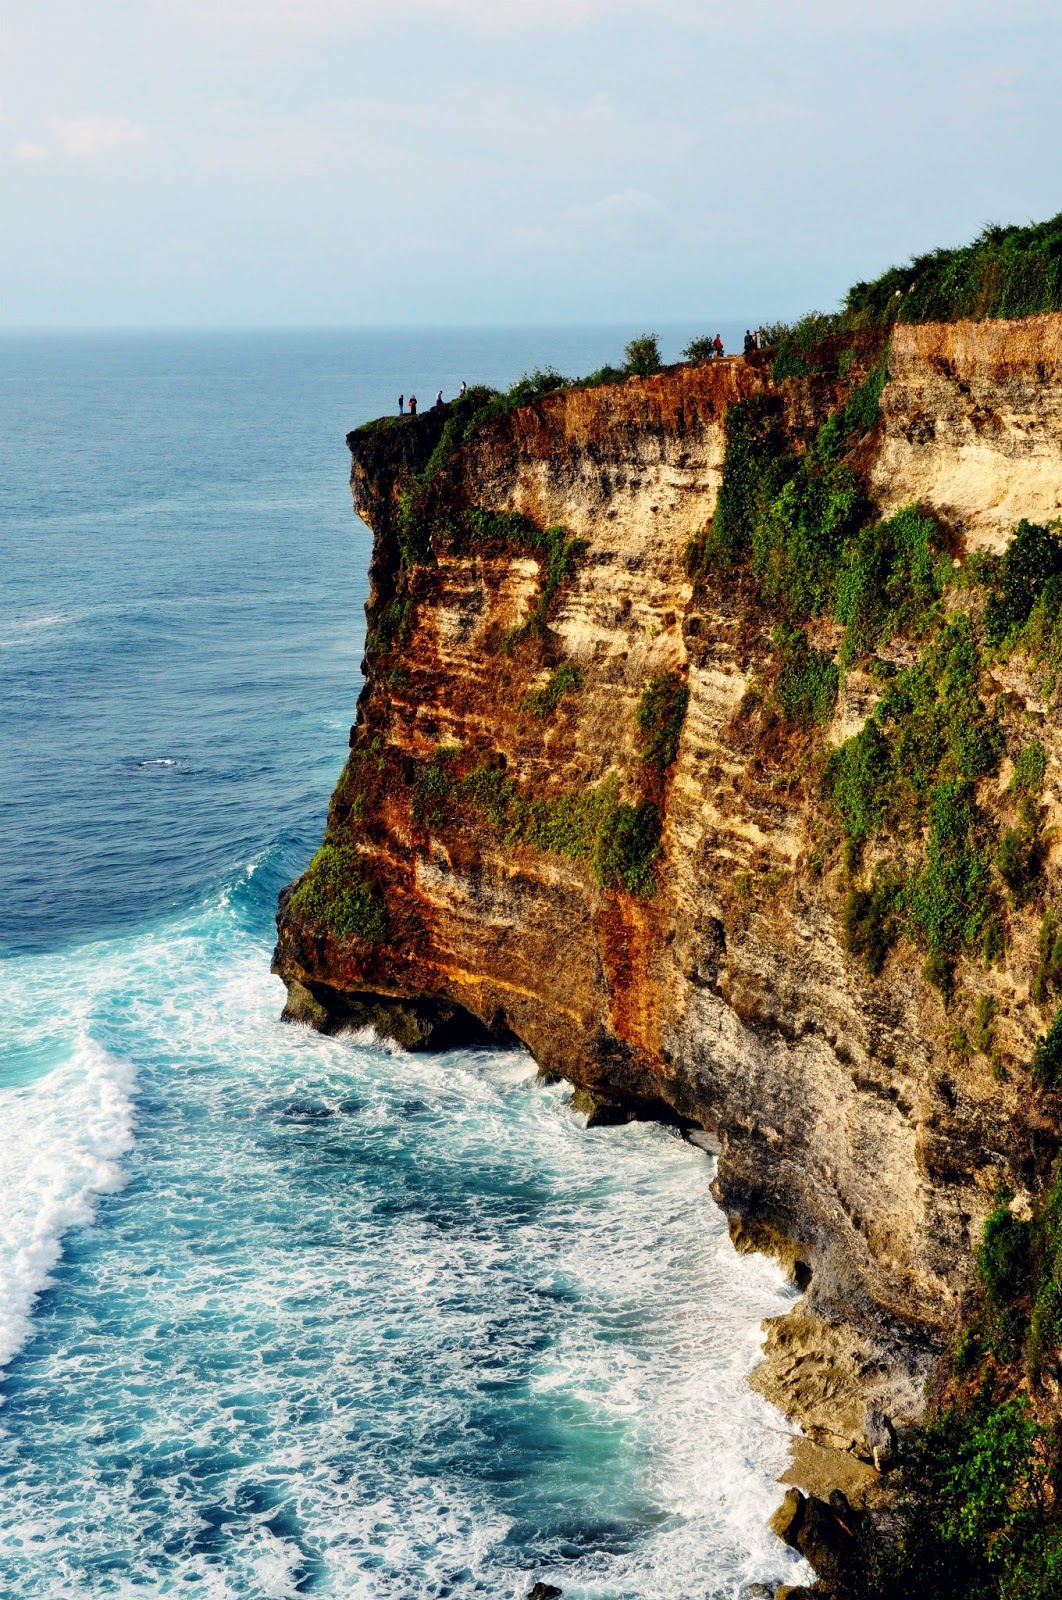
(61, 1143)
(25, 630)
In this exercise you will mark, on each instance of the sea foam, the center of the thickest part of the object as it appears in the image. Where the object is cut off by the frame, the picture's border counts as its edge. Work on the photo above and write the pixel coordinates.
(61, 1143)
(368, 1323)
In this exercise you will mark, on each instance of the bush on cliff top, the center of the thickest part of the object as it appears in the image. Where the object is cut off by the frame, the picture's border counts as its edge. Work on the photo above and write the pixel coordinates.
(1005, 272)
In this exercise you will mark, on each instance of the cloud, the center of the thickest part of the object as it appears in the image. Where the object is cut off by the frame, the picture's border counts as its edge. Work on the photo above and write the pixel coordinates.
(85, 138)
(26, 151)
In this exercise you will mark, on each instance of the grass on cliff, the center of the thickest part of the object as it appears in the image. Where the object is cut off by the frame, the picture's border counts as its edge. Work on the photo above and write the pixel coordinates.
(808, 533)
(798, 524)
(909, 776)
(621, 842)
(1005, 272)
(335, 894)
(660, 715)
(564, 680)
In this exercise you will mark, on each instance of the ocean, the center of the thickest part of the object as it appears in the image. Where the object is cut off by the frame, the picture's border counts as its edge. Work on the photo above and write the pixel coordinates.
(283, 1315)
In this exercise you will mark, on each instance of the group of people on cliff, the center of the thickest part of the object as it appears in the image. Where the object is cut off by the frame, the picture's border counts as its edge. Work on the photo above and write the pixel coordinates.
(411, 403)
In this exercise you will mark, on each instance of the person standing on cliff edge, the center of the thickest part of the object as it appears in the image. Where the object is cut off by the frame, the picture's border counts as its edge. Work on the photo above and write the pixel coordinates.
(401, 405)
(412, 405)
(438, 401)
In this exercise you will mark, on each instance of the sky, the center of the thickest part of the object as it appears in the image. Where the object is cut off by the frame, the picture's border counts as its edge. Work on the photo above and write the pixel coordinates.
(456, 162)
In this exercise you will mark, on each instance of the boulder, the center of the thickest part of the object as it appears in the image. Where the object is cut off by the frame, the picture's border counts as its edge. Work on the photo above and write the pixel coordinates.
(788, 1519)
(825, 1536)
(545, 1591)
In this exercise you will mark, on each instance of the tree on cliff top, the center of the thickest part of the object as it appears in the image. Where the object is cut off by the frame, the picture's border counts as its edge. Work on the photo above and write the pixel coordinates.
(643, 355)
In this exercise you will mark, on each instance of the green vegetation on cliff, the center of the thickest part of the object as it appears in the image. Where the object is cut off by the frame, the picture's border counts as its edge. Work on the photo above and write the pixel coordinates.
(563, 680)
(1005, 272)
(620, 841)
(335, 894)
(660, 715)
(799, 526)
(978, 1518)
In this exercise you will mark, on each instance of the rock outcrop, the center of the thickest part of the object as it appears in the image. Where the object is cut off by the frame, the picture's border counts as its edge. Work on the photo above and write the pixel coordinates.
(855, 1143)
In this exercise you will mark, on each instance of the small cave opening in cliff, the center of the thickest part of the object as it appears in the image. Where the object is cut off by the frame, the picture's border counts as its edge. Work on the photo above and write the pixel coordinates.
(801, 1275)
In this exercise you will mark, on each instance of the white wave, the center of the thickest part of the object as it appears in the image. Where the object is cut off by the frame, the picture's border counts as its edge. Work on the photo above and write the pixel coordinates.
(61, 1142)
(26, 629)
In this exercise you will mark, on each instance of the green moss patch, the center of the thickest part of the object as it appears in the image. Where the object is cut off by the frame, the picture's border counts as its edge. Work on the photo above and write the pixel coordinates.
(336, 894)
(660, 715)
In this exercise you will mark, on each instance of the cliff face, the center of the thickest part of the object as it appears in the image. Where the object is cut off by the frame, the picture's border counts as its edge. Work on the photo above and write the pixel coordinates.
(973, 424)
(709, 981)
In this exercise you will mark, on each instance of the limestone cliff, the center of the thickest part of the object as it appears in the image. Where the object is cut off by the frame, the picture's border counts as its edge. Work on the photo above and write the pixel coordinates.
(663, 923)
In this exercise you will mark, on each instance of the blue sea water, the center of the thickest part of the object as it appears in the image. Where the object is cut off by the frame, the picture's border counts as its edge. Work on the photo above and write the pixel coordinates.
(284, 1315)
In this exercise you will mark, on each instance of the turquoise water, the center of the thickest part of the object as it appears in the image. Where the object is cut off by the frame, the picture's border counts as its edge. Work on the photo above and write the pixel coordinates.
(282, 1315)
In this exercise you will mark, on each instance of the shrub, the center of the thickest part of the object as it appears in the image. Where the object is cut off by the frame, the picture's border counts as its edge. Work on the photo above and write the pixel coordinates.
(642, 355)
(660, 715)
(982, 1035)
(561, 554)
(1018, 861)
(563, 680)
(1042, 633)
(605, 374)
(1029, 769)
(1005, 272)
(864, 404)
(335, 893)
(754, 442)
(889, 582)
(798, 348)
(626, 846)
(702, 349)
(390, 626)
(1003, 1259)
(856, 782)
(949, 897)
(619, 841)
(1031, 559)
(1048, 973)
(807, 683)
(872, 919)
